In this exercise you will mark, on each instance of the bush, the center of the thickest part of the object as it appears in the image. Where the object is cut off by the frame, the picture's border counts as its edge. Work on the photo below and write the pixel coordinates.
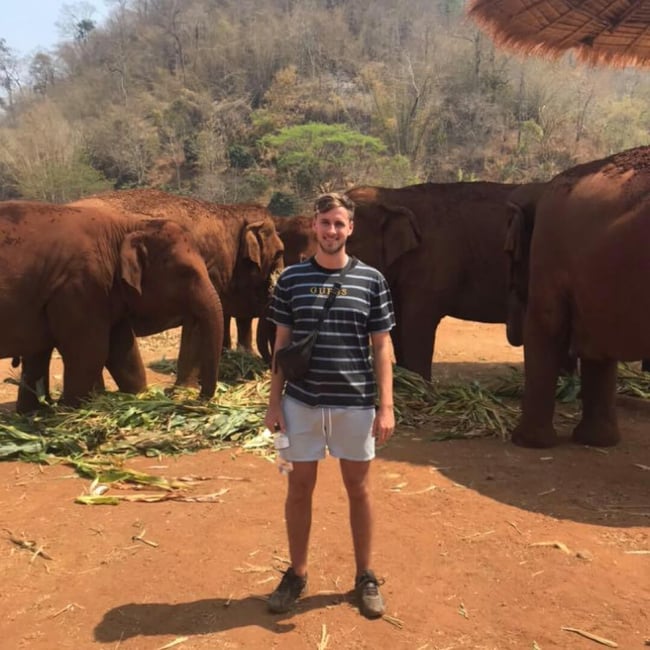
(284, 205)
(239, 157)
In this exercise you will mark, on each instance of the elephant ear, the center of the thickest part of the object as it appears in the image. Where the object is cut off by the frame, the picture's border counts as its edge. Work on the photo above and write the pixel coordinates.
(401, 233)
(250, 246)
(133, 257)
(519, 232)
(513, 233)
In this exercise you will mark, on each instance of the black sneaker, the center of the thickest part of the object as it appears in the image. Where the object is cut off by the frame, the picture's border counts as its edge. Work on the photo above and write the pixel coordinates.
(366, 588)
(287, 592)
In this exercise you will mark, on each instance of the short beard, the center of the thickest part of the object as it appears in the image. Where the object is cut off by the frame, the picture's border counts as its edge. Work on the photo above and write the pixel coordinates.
(331, 252)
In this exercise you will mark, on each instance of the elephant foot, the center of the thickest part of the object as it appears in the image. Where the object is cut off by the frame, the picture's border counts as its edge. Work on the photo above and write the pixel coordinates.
(29, 400)
(186, 383)
(534, 436)
(596, 433)
(31, 403)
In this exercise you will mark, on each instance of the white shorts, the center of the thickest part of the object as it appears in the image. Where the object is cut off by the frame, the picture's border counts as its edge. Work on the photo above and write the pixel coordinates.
(345, 432)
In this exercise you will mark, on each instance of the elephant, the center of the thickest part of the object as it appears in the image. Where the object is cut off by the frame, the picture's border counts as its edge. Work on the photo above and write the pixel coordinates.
(440, 247)
(299, 242)
(240, 247)
(299, 239)
(588, 271)
(77, 278)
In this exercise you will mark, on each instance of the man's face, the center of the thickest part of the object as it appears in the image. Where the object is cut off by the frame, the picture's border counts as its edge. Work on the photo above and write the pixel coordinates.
(332, 229)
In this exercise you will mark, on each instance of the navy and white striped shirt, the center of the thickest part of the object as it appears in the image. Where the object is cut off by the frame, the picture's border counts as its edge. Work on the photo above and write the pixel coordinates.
(341, 371)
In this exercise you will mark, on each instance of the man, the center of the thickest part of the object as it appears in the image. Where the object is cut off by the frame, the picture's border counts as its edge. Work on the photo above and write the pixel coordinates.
(333, 406)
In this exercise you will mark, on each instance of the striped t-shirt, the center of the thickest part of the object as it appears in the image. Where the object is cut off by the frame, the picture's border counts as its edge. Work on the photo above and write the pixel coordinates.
(341, 372)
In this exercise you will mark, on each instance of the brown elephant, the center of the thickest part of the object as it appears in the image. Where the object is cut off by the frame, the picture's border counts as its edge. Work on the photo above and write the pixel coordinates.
(589, 271)
(239, 244)
(299, 239)
(295, 233)
(440, 247)
(76, 278)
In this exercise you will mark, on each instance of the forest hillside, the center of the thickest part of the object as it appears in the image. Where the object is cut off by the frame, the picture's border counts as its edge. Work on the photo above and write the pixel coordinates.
(274, 100)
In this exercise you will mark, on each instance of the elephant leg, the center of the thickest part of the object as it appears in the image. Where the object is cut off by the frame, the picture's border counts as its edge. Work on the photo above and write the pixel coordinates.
(124, 361)
(187, 371)
(227, 340)
(82, 371)
(544, 354)
(79, 320)
(414, 338)
(245, 333)
(34, 388)
(645, 365)
(598, 426)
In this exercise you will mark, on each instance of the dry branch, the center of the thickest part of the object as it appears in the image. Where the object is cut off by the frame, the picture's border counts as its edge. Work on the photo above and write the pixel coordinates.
(592, 637)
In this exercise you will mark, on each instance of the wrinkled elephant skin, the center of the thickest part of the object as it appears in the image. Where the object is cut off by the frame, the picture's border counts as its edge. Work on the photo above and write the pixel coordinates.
(588, 292)
(440, 247)
(75, 278)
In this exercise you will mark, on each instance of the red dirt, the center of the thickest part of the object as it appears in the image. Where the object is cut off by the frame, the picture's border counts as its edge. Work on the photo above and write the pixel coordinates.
(483, 545)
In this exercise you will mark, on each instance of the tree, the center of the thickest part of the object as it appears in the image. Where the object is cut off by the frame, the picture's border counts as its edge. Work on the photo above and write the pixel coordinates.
(76, 21)
(123, 146)
(313, 156)
(9, 76)
(42, 73)
(45, 157)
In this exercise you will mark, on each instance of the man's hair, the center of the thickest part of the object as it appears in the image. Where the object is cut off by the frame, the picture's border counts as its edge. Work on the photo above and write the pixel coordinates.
(331, 200)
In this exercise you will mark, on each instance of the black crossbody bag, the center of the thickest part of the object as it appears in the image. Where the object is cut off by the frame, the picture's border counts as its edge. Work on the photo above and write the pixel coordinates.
(294, 359)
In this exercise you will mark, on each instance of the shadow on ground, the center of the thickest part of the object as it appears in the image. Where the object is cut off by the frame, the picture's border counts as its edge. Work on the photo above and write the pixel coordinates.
(583, 484)
(203, 617)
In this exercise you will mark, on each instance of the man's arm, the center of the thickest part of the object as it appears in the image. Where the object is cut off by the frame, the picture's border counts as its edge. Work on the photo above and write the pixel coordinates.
(274, 415)
(384, 424)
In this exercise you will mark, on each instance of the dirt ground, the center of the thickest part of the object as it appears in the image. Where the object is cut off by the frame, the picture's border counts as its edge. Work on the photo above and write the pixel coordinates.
(482, 545)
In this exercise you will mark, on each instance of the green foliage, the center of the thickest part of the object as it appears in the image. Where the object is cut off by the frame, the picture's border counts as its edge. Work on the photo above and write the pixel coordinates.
(256, 184)
(284, 205)
(309, 155)
(240, 157)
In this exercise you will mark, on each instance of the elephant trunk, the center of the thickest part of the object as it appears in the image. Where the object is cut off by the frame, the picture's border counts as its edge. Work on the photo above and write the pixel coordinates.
(211, 327)
(265, 338)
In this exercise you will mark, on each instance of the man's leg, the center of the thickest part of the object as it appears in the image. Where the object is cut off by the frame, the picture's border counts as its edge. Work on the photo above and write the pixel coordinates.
(356, 478)
(297, 512)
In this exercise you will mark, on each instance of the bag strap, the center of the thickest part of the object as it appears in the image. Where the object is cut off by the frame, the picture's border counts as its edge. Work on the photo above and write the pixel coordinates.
(352, 262)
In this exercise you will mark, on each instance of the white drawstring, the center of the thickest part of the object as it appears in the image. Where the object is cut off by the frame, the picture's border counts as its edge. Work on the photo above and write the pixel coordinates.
(327, 428)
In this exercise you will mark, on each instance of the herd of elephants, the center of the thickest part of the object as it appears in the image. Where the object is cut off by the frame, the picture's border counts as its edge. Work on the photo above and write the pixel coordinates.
(564, 264)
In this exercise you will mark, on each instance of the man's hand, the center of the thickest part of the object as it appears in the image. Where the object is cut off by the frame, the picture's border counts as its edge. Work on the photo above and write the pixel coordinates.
(384, 424)
(274, 419)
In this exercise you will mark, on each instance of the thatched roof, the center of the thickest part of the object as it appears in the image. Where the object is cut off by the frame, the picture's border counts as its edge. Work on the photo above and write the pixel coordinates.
(616, 33)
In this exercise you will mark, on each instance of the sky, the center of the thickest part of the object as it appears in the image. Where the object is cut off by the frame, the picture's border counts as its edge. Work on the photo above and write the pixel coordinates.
(27, 25)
